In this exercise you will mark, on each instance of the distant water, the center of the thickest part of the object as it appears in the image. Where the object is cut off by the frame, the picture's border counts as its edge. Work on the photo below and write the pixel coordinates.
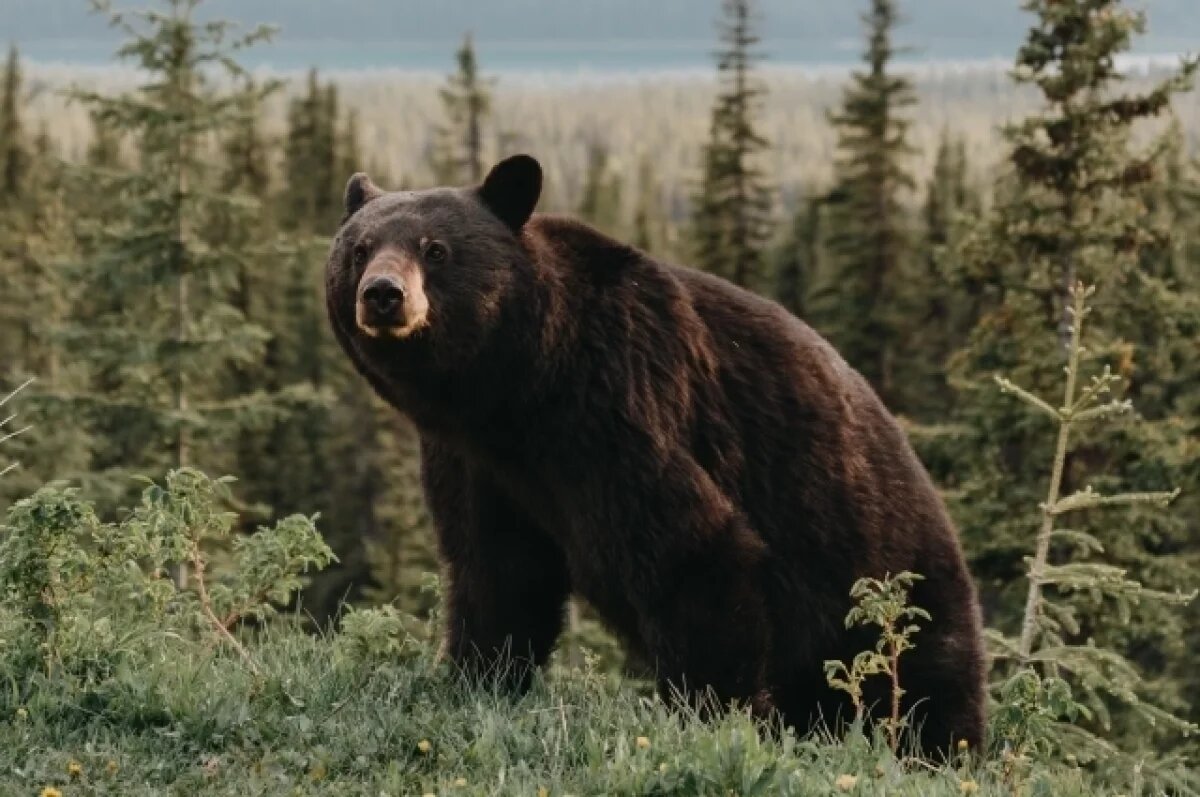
(563, 59)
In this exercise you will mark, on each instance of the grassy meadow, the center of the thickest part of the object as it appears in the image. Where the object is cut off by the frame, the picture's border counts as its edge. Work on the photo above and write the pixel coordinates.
(163, 235)
(322, 718)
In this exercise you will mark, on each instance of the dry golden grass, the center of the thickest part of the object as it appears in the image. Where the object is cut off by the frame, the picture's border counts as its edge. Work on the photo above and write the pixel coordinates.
(663, 119)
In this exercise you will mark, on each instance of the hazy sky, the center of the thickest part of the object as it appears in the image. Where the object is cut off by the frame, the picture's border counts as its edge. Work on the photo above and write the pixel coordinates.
(547, 32)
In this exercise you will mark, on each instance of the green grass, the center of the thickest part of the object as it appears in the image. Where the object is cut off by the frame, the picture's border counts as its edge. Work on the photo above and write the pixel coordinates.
(320, 719)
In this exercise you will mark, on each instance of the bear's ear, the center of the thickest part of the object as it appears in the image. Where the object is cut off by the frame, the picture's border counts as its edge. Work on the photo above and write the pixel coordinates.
(512, 188)
(359, 191)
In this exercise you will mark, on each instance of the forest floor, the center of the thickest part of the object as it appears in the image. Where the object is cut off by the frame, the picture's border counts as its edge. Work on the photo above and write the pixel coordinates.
(315, 715)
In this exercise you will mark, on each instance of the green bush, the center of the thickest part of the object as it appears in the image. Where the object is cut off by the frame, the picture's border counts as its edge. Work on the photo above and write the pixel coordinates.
(82, 598)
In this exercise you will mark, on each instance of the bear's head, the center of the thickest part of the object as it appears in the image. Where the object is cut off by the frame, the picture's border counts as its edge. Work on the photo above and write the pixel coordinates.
(428, 276)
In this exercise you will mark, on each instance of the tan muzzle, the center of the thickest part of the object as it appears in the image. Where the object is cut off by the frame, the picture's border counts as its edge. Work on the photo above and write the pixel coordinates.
(391, 298)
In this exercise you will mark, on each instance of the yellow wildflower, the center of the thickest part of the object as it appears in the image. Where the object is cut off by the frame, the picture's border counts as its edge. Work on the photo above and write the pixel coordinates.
(643, 742)
(543, 791)
(22, 713)
(75, 769)
(968, 787)
(111, 767)
(50, 791)
(424, 746)
(845, 782)
(963, 744)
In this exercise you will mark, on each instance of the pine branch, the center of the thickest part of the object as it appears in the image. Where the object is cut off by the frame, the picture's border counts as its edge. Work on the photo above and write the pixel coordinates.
(13, 394)
(1101, 385)
(11, 435)
(1102, 411)
(1087, 498)
(1082, 541)
(1006, 386)
(5, 436)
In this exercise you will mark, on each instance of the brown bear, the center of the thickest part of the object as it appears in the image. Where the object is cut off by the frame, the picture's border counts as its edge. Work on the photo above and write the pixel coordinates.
(691, 459)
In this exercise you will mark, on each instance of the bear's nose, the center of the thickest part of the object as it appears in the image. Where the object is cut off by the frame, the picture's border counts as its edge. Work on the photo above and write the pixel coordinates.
(382, 297)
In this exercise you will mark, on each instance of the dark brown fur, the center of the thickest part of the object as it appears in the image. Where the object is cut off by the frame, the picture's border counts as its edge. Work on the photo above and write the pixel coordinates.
(699, 465)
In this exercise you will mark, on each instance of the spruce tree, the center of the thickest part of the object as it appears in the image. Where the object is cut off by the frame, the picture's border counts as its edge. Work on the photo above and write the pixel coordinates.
(467, 101)
(156, 321)
(273, 282)
(13, 146)
(349, 151)
(947, 194)
(1075, 208)
(247, 166)
(36, 211)
(600, 202)
(868, 231)
(730, 221)
(1169, 266)
(649, 221)
(104, 147)
(35, 239)
(312, 187)
(798, 257)
(936, 292)
(13, 218)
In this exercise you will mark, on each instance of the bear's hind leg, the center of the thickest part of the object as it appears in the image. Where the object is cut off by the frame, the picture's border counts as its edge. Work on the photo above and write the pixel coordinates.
(708, 637)
(945, 693)
(696, 586)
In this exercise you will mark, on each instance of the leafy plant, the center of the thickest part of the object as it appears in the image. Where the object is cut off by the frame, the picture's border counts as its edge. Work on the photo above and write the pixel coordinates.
(884, 603)
(1029, 719)
(265, 568)
(84, 597)
(378, 634)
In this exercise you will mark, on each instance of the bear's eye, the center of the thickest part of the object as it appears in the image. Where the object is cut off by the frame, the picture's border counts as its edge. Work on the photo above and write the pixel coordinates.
(436, 252)
(360, 255)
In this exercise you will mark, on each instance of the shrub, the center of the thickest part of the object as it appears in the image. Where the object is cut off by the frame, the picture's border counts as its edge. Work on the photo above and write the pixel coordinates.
(81, 597)
(884, 603)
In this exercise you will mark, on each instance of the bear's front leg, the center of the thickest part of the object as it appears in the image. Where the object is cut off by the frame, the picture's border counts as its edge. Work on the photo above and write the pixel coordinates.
(508, 583)
(695, 578)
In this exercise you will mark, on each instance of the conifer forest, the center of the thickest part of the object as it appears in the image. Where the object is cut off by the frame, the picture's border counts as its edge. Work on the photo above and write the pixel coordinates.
(218, 574)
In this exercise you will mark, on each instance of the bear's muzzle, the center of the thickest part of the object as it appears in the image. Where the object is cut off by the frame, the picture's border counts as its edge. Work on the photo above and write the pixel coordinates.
(391, 296)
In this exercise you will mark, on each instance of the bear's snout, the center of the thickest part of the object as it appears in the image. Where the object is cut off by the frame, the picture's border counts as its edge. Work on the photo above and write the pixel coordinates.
(391, 299)
(383, 302)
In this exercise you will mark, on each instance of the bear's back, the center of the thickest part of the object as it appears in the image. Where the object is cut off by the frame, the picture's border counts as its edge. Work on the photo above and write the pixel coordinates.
(810, 424)
(789, 429)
